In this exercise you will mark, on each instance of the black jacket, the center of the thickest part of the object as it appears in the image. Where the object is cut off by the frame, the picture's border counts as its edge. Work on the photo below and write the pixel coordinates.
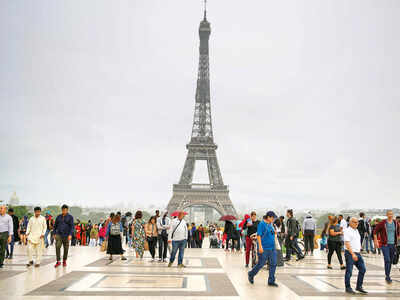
(362, 227)
(292, 227)
(229, 229)
(252, 228)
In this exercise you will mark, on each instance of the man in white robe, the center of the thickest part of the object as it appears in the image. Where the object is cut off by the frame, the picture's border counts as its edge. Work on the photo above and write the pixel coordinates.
(35, 234)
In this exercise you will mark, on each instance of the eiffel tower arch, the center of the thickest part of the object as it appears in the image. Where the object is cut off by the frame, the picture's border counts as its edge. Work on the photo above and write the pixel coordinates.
(201, 147)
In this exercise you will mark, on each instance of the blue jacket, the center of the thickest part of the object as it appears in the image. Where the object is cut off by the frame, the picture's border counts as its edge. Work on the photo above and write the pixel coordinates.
(64, 226)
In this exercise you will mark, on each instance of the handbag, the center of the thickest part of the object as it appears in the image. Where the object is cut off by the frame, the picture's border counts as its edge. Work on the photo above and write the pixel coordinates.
(146, 245)
(104, 246)
(277, 245)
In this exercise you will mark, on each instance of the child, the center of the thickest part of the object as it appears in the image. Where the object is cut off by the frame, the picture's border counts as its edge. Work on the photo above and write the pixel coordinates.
(323, 243)
(94, 235)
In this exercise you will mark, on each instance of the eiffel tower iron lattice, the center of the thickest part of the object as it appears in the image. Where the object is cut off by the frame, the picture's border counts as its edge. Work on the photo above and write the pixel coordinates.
(202, 147)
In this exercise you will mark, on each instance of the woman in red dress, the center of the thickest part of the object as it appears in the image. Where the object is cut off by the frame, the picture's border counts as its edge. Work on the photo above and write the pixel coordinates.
(83, 240)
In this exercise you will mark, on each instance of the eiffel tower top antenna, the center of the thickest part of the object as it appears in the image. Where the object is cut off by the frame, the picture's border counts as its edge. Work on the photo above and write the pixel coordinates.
(205, 10)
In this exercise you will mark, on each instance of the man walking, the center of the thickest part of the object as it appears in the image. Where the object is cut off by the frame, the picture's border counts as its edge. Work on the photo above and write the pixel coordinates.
(178, 236)
(266, 236)
(15, 230)
(293, 230)
(64, 228)
(389, 232)
(35, 233)
(309, 226)
(6, 232)
(352, 243)
(362, 228)
(163, 227)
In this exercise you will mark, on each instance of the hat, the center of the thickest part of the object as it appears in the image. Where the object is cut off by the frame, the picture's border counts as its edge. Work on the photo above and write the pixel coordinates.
(271, 214)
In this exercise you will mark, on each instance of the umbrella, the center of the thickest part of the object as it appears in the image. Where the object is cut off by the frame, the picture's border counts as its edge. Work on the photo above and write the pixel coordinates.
(227, 218)
(176, 213)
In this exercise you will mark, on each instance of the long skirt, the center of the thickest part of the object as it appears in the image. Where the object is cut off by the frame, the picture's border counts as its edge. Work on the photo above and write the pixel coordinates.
(114, 245)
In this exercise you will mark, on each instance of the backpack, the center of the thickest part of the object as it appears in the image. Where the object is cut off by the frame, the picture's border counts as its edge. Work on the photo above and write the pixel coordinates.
(115, 229)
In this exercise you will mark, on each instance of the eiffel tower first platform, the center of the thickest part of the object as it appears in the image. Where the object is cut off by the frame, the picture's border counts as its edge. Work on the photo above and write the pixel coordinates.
(215, 194)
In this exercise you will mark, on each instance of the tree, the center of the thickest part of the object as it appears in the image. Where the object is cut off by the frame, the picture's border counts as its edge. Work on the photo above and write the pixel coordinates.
(54, 210)
(96, 216)
(146, 216)
(21, 211)
(322, 220)
(76, 212)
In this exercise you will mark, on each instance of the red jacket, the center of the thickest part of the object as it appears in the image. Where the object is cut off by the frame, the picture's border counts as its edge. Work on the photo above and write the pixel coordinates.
(380, 230)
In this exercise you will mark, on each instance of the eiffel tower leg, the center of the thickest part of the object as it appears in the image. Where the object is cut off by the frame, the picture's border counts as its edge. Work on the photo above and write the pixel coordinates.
(213, 171)
(188, 170)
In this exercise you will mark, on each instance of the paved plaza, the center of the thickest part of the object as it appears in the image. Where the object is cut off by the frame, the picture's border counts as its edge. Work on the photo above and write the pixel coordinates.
(210, 274)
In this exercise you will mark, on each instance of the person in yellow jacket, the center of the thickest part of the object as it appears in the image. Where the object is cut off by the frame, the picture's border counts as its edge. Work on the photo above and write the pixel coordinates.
(35, 234)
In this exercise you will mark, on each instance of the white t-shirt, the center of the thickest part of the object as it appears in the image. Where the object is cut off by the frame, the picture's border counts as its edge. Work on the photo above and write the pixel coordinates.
(343, 224)
(353, 236)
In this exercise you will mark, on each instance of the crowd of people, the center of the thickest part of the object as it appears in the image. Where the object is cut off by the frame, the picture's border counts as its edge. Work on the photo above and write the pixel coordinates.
(171, 234)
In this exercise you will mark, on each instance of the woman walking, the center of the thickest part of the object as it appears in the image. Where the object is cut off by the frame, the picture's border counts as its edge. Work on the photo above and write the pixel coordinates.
(113, 234)
(151, 236)
(83, 234)
(138, 234)
(230, 232)
(335, 242)
(23, 224)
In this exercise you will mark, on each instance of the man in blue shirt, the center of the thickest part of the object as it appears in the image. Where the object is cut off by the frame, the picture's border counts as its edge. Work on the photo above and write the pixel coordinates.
(266, 248)
(63, 227)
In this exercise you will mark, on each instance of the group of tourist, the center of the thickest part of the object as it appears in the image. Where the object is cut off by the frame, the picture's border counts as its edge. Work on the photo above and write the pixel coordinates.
(144, 235)
(341, 235)
(268, 235)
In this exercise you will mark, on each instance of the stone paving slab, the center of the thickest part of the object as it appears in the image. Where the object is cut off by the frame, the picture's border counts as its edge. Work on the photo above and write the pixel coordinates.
(215, 285)
(5, 274)
(191, 262)
(332, 285)
(22, 260)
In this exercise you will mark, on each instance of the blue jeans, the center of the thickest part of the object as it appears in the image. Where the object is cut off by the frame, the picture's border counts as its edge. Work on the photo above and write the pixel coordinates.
(11, 251)
(46, 241)
(360, 265)
(368, 243)
(388, 255)
(267, 255)
(175, 246)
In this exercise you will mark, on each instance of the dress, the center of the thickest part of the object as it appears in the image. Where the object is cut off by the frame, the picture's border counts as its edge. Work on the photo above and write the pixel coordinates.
(83, 236)
(139, 236)
(78, 232)
(114, 245)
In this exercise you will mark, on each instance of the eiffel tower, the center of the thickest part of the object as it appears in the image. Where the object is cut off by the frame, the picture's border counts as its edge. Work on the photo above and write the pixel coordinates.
(215, 194)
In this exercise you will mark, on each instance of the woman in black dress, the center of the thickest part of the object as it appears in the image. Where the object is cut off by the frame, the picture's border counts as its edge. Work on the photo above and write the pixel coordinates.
(114, 231)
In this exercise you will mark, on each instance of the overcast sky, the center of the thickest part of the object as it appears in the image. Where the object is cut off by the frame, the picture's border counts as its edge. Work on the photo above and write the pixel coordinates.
(97, 100)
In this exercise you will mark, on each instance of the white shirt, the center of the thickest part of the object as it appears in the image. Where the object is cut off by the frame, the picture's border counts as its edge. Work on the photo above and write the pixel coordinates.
(353, 236)
(36, 228)
(160, 225)
(343, 224)
(181, 231)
